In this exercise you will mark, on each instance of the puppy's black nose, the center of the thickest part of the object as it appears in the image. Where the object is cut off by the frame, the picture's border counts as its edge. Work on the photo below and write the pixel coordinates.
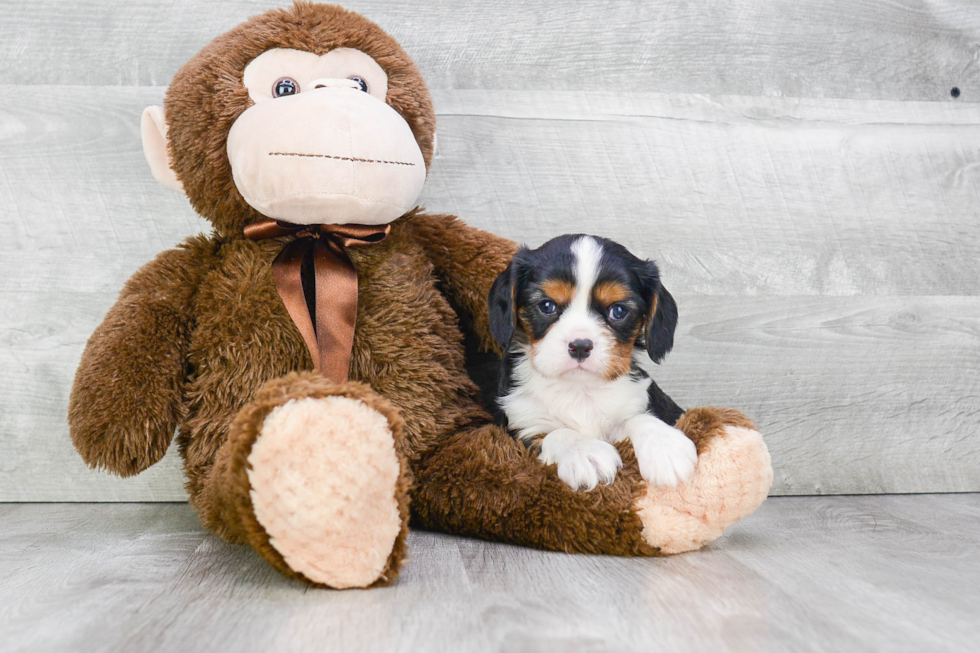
(580, 349)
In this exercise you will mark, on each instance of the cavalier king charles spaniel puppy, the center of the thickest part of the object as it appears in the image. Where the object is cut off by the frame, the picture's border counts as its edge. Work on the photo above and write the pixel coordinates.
(574, 318)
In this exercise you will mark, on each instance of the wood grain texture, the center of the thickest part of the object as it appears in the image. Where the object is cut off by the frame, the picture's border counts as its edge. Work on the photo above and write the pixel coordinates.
(734, 195)
(802, 574)
(853, 394)
(823, 253)
(901, 49)
(823, 250)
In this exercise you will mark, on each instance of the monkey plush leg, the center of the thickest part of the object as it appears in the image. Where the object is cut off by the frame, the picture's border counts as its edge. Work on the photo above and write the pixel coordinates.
(484, 484)
(310, 477)
(732, 478)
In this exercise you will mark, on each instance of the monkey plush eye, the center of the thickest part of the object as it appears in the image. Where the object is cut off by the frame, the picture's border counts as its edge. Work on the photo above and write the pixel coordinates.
(617, 312)
(548, 307)
(360, 82)
(285, 86)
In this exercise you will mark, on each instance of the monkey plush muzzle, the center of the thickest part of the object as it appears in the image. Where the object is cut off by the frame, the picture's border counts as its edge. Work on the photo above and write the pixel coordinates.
(328, 155)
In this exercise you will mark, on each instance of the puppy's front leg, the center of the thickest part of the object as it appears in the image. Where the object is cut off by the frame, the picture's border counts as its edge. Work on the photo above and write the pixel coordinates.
(666, 456)
(583, 462)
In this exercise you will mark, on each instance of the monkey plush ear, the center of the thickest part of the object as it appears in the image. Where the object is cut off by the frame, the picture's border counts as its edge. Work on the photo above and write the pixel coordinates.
(153, 129)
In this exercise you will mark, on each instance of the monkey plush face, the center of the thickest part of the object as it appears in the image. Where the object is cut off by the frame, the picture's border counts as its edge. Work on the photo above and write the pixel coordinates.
(319, 144)
(309, 115)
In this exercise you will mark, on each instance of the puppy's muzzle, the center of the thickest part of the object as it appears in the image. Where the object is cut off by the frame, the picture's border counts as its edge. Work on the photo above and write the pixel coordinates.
(580, 349)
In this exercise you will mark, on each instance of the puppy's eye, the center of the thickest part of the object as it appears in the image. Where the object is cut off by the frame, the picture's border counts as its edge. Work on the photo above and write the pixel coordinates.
(617, 312)
(548, 307)
(360, 82)
(285, 86)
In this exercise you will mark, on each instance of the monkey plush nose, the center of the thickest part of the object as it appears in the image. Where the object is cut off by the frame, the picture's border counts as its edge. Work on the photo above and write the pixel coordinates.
(580, 349)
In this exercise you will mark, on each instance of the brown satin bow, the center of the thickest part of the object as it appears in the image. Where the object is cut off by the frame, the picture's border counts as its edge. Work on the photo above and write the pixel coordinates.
(327, 322)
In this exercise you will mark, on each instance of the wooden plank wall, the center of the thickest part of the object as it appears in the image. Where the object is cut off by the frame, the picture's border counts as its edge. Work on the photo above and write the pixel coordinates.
(800, 169)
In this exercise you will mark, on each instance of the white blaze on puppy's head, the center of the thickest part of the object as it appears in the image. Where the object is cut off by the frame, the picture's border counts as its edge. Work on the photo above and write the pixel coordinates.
(577, 341)
(570, 316)
(578, 305)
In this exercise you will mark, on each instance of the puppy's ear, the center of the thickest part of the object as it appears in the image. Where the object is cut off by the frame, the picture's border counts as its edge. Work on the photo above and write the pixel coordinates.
(503, 312)
(661, 326)
(662, 318)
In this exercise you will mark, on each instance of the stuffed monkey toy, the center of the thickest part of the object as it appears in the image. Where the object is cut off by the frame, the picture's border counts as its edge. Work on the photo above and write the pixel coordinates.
(309, 352)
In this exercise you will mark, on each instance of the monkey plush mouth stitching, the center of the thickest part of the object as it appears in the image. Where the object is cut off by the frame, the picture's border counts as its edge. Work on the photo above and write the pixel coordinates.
(343, 158)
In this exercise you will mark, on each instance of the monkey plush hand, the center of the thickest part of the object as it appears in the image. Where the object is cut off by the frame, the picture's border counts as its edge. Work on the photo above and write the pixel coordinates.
(309, 351)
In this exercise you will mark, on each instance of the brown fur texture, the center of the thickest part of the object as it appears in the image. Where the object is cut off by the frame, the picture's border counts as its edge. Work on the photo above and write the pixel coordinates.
(466, 262)
(511, 497)
(228, 507)
(123, 417)
(207, 95)
(199, 340)
(702, 424)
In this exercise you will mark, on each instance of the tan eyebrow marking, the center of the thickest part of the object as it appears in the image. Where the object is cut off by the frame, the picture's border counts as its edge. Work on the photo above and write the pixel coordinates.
(560, 291)
(610, 292)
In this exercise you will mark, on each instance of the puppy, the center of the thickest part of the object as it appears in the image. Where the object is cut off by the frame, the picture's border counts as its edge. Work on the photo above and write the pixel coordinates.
(574, 317)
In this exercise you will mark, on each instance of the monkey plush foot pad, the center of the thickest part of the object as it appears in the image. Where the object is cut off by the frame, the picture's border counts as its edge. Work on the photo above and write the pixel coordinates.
(323, 475)
(731, 480)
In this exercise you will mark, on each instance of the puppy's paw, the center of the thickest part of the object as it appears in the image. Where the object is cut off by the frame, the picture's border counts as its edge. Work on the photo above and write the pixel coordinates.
(666, 456)
(583, 462)
(587, 463)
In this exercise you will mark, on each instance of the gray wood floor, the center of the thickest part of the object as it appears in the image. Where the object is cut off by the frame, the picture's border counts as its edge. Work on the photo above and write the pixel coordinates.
(803, 574)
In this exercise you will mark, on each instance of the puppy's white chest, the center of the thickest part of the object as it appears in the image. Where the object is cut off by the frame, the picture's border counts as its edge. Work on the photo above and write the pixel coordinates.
(592, 408)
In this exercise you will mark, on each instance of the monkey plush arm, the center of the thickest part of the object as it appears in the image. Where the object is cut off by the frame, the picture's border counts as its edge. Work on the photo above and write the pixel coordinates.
(127, 398)
(466, 260)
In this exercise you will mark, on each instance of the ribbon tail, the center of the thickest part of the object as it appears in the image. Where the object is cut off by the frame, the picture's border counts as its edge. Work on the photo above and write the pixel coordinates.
(336, 309)
(287, 273)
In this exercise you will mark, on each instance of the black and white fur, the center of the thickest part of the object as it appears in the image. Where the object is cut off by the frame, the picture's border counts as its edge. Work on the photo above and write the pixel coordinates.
(571, 378)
